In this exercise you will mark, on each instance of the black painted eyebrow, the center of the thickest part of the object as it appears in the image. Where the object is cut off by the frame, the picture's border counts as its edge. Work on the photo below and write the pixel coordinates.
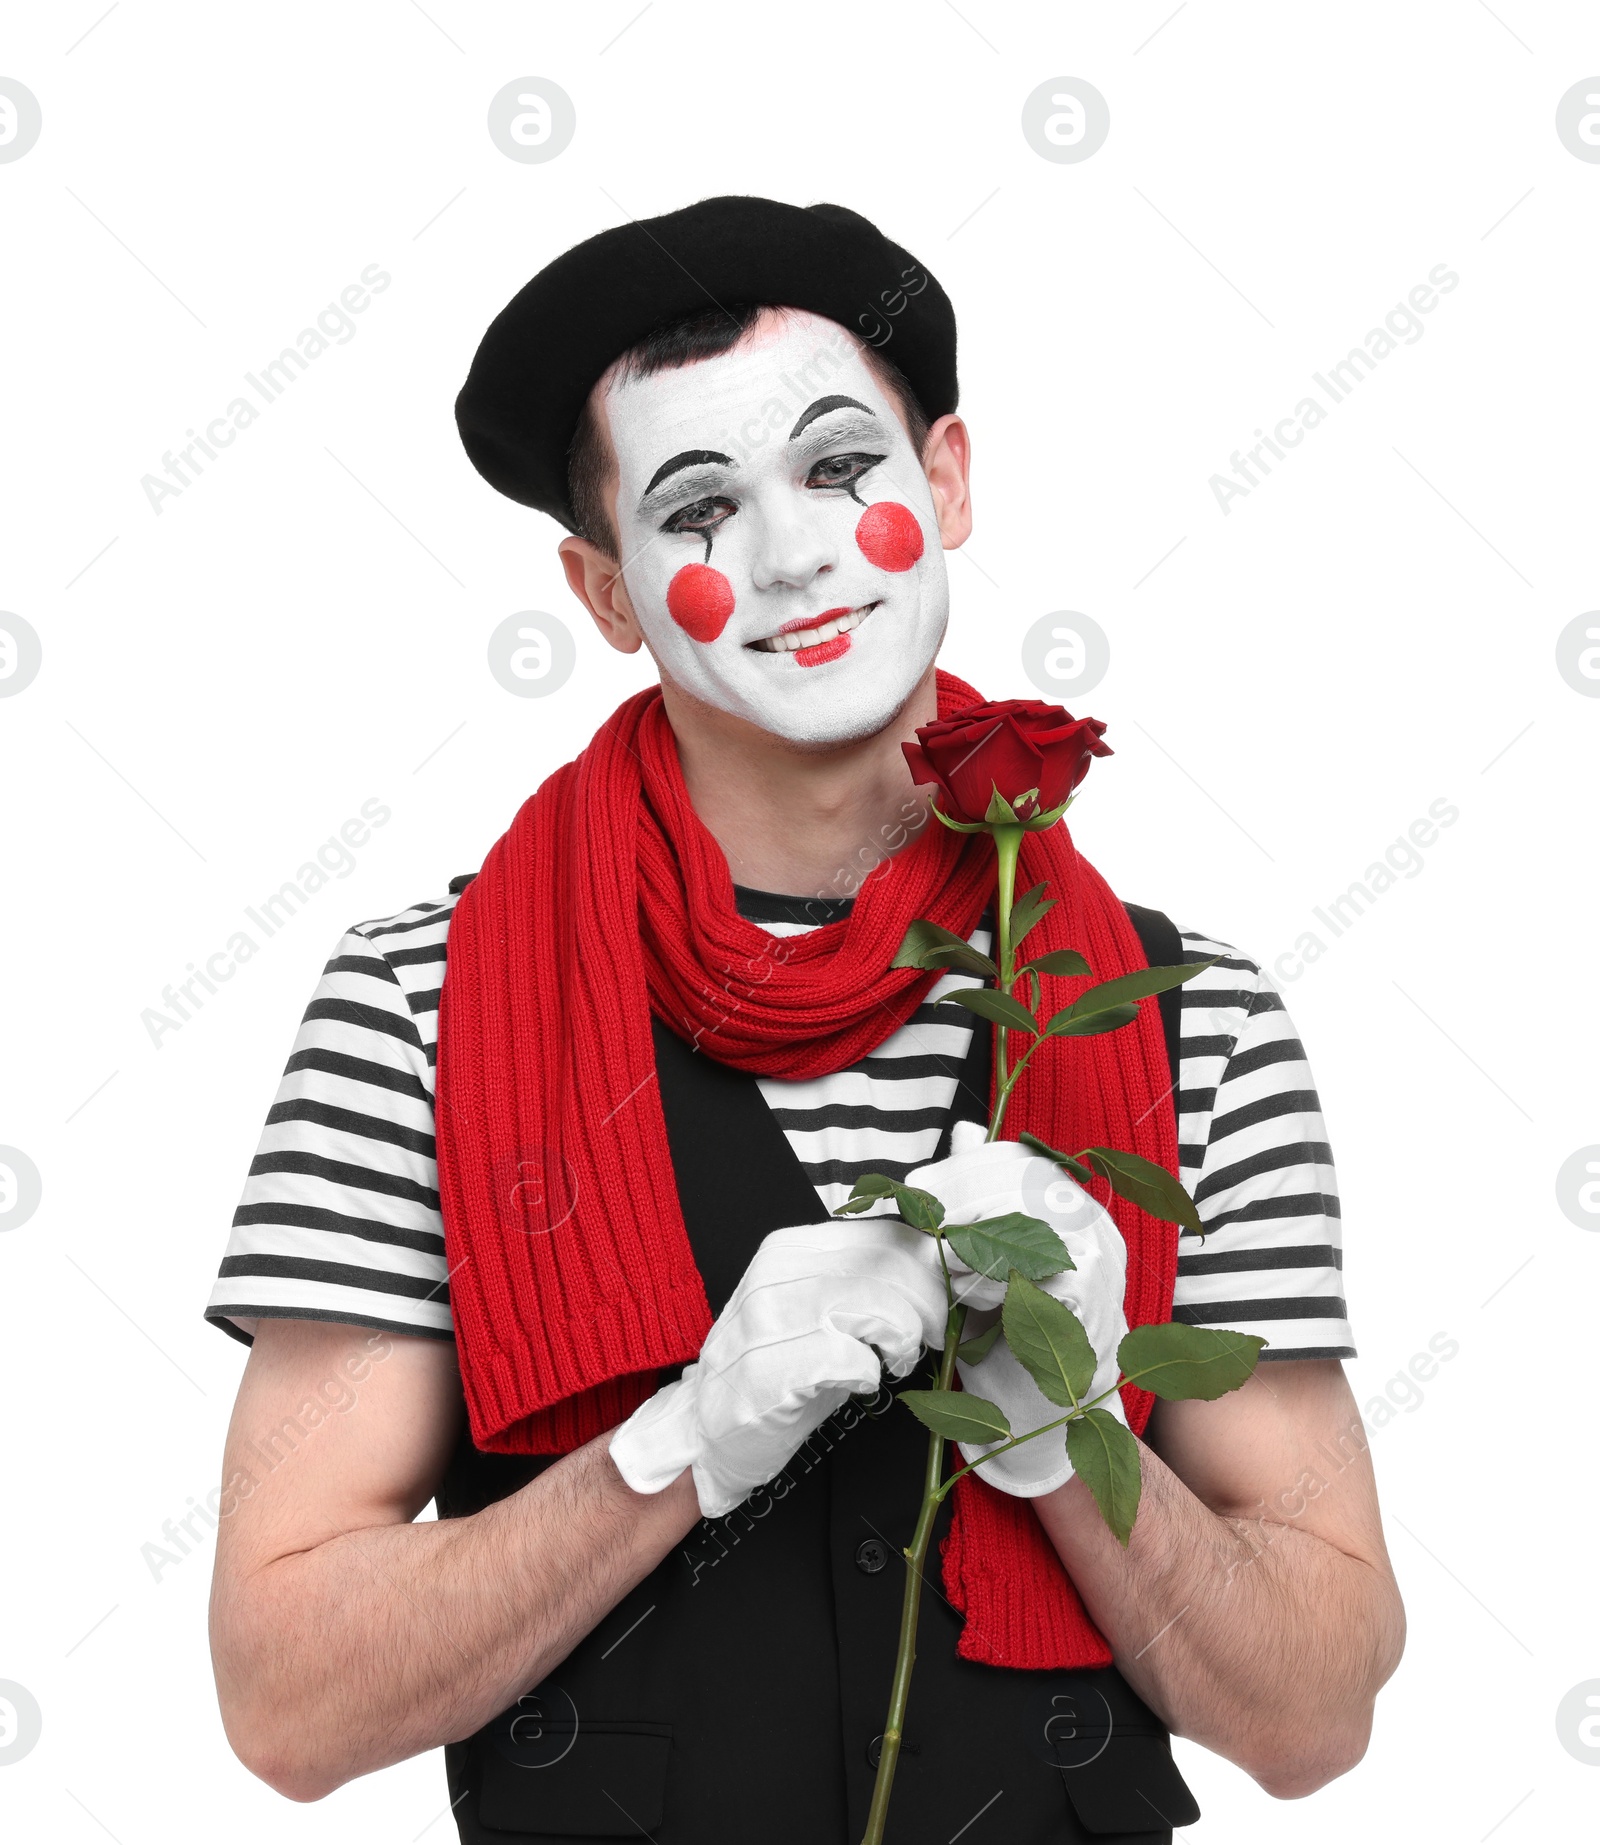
(821, 408)
(691, 457)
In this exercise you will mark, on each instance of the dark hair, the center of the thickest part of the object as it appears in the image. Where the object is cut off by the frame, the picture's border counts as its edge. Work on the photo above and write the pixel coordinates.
(676, 343)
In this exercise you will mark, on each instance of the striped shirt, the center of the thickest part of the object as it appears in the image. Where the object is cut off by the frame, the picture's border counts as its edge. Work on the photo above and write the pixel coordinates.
(340, 1217)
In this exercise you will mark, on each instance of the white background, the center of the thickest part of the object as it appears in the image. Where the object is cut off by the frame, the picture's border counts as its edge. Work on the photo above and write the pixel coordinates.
(1370, 630)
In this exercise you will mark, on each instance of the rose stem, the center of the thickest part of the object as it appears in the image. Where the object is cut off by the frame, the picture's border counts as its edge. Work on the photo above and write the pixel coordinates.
(1007, 845)
(916, 1555)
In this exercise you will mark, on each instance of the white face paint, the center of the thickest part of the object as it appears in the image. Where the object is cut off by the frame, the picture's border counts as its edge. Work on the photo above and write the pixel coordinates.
(771, 495)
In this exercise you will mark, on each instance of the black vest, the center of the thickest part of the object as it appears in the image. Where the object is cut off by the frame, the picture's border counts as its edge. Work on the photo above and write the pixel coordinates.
(739, 1690)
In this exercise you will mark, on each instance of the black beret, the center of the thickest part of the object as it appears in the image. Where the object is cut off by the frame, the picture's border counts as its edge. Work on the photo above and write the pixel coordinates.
(543, 352)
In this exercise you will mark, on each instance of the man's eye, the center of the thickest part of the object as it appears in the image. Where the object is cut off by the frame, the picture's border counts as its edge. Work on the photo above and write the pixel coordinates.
(841, 470)
(703, 516)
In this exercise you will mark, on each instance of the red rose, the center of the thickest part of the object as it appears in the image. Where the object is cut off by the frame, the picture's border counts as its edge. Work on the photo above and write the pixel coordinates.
(1015, 745)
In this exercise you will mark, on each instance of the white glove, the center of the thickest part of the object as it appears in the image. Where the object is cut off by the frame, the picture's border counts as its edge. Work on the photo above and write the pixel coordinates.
(981, 1180)
(794, 1342)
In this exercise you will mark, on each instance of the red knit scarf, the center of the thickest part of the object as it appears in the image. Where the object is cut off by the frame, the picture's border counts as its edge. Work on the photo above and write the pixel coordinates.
(572, 1280)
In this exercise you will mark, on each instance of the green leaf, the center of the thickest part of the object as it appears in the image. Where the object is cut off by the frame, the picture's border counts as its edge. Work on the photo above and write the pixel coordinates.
(1059, 961)
(1188, 1363)
(955, 826)
(1138, 985)
(1029, 909)
(996, 1245)
(1047, 1338)
(920, 1209)
(1041, 1146)
(1050, 816)
(867, 1191)
(973, 1351)
(872, 1185)
(1078, 1170)
(957, 1415)
(1070, 1023)
(1106, 1457)
(1000, 1007)
(1001, 812)
(1146, 1184)
(926, 945)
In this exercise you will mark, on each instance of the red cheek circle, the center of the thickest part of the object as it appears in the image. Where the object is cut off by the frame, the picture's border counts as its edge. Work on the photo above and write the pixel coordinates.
(700, 600)
(889, 535)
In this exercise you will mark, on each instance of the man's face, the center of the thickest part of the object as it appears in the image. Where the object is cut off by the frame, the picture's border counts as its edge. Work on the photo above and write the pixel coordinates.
(779, 541)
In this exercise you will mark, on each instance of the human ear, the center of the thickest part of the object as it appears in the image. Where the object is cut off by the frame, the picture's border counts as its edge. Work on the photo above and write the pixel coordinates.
(596, 580)
(947, 462)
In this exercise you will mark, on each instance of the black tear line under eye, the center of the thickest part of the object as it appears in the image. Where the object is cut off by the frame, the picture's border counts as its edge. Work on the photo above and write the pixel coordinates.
(854, 481)
(708, 535)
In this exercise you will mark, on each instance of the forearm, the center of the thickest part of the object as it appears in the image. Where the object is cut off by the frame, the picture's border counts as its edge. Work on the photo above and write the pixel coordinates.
(384, 1641)
(1261, 1641)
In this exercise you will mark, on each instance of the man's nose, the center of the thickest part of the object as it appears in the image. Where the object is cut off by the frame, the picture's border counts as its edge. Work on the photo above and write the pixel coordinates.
(793, 546)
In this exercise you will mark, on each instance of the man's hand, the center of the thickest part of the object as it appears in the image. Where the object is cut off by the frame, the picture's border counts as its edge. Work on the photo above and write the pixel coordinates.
(821, 1312)
(981, 1180)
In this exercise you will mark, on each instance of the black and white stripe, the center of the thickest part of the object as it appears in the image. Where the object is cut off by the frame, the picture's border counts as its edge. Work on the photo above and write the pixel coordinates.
(339, 1219)
(1254, 1155)
(340, 1214)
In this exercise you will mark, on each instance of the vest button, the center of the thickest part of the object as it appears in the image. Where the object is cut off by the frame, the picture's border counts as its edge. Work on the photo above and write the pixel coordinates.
(871, 1555)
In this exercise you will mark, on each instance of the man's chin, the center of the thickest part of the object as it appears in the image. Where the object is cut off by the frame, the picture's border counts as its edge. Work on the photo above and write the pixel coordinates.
(839, 730)
(827, 719)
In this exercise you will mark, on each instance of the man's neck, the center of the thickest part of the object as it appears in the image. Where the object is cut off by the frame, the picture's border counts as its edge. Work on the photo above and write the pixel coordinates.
(804, 823)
